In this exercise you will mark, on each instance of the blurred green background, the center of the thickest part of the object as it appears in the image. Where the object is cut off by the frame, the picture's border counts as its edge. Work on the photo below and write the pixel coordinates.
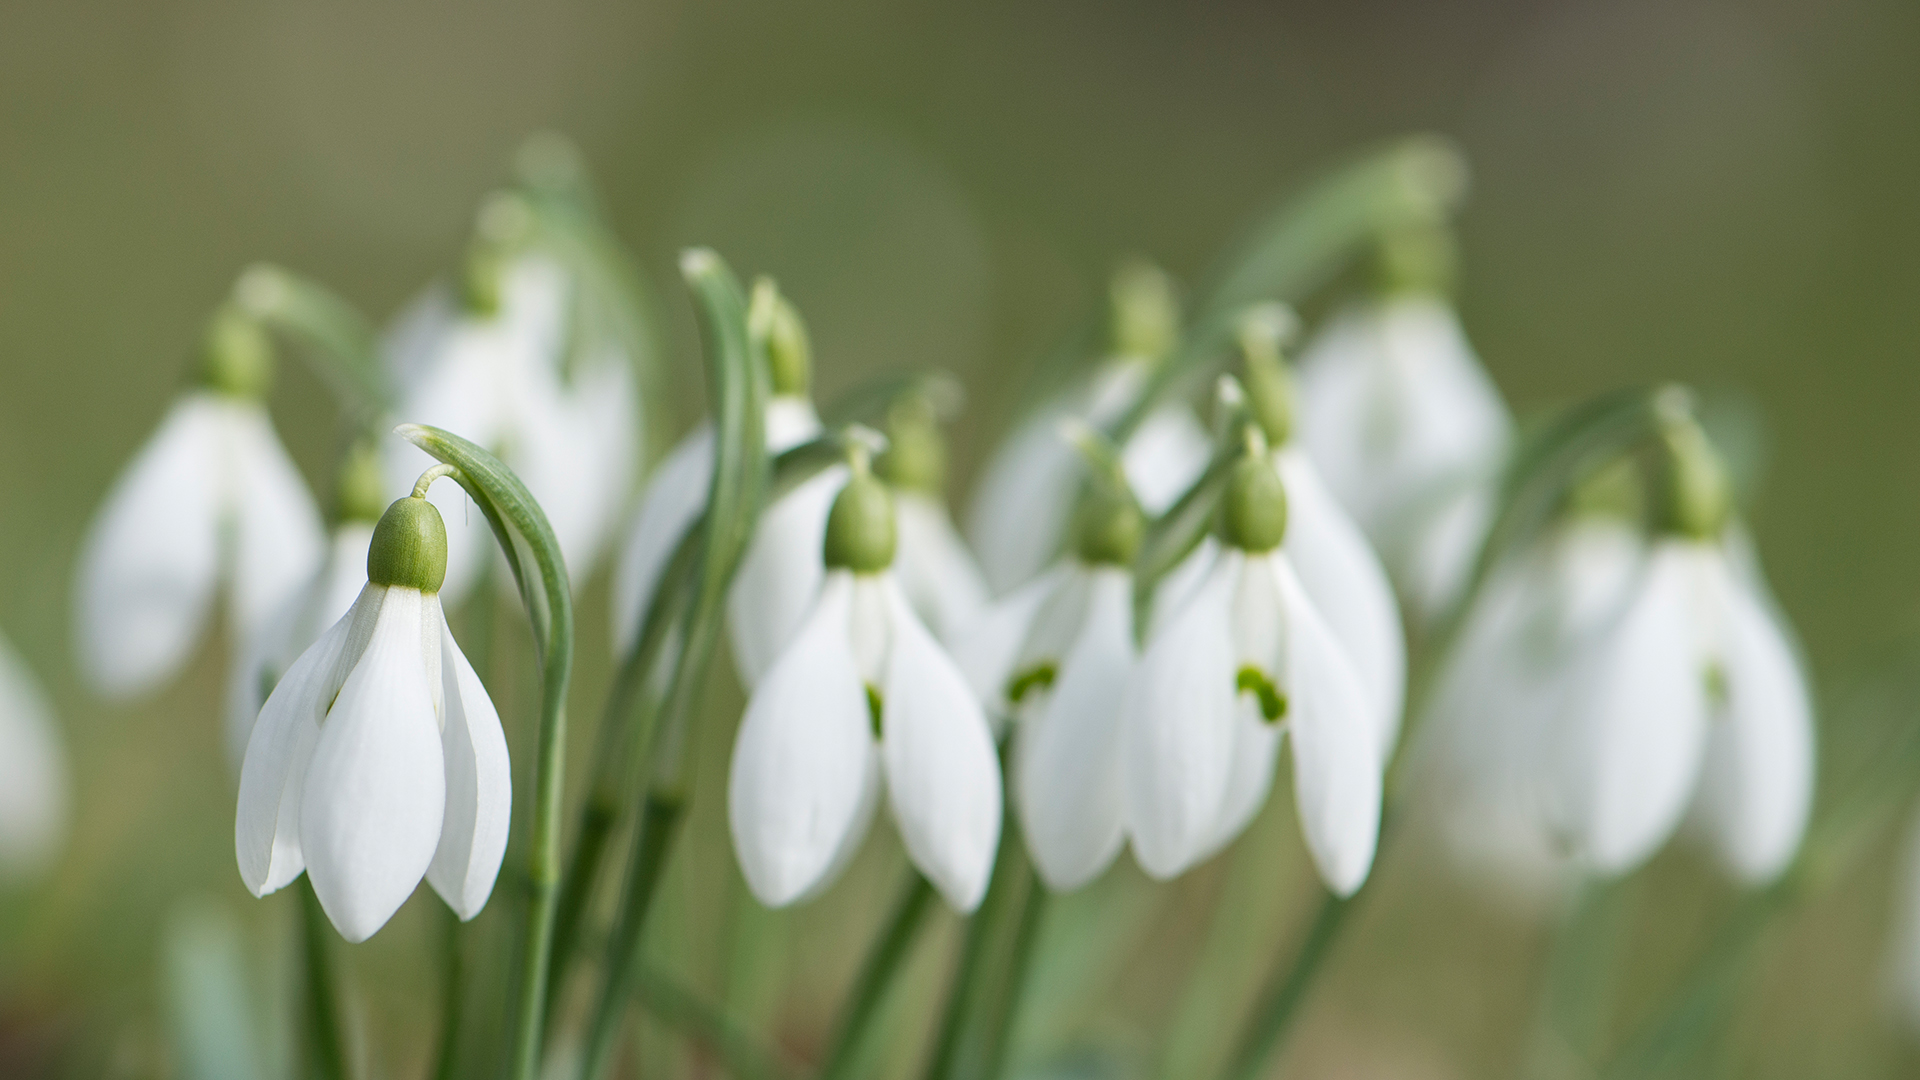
(1715, 192)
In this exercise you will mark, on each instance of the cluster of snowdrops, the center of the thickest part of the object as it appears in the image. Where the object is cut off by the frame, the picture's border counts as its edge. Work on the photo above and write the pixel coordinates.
(1215, 534)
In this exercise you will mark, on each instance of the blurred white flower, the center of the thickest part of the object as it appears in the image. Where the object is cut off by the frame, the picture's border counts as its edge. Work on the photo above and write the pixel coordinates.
(863, 694)
(940, 577)
(322, 602)
(379, 759)
(1410, 434)
(1903, 959)
(1245, 659)
(211, 497)
(502, 378)
(33, 773)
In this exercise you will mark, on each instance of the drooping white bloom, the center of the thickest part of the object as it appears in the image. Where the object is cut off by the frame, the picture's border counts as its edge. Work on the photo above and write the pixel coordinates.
(211, 498)
(378, 758)
(863, 696)
(1903, 954)
(1057, 654)
(936, 570)
(1019, 512)
(1409, 434)
(1244, 660)
(322, 602)
(1605, 689)
(674, 499)
(33, 773)
(567, 425)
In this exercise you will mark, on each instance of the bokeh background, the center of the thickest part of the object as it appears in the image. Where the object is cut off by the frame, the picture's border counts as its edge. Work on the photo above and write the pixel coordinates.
(1714, 191)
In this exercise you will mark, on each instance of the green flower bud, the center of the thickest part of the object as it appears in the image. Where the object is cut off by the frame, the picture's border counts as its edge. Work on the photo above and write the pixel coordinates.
(1415, 259)
(237, 356)
(360, 488)
(480, 280)
(1692, 496)
(1146, 313)
(1268, 384)
(1107, 527)
(1253, 515)
(916, 455)
(409, 547)
(776, 322)
(860, 528)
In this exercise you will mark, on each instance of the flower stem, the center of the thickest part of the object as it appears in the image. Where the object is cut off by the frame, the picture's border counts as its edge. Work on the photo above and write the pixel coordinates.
(743, 1055)
(1279, 1003)
(659, 820)
(1013, 982)
(324, 1046)
(883, 962)
(452, 985)
(966, 996)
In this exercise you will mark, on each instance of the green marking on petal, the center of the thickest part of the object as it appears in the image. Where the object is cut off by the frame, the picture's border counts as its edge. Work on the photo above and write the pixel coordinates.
(1715, 677)
(1040, 675)
(1273, 703)
(873, 707)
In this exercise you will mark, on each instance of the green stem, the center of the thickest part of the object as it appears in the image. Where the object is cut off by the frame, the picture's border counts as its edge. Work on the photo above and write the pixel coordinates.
(452, 986)
(1575, 1001)
(1006, 1007)
(723, 1036)
(1279, 1003)
(659, 820)
(963, 996)
(883, 962)
(342, 347)
(325, 1048)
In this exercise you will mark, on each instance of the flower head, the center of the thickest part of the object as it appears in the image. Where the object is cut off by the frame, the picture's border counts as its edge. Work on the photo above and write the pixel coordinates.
(862, 698)
(379, 759)
(33, 773)
(212, 497)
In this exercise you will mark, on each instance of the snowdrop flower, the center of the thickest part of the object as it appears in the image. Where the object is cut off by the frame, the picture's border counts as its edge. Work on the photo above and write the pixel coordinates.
(863, 698)
(934, 566)
(492, 365)
(379, 759)
(1057, 654)
(315, 606)
(1405, 425)
(212, 497)
(1019, 512)
(1246, 659)
(1903, 967)
(33, 773)
(781, 570)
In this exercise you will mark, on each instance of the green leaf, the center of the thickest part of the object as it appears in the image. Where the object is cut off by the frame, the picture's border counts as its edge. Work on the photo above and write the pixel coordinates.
(215, 1031)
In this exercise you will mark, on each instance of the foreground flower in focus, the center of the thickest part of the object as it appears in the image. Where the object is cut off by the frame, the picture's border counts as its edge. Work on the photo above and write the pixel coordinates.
(506, 364)
(33, 773)
(1019, 513)
(1609, 687)
(1405, 425)
(379, 758)
(212, 497)
(863, 694)
(1056, 654)
(1243, 660)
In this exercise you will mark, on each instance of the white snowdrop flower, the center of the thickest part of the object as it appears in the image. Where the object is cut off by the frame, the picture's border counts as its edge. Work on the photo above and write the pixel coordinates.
(934, 566)
(1057, 654)
(1018, 516)
(379, 759)
(1246, 659)
(863, 698)
(1408, 431)
(211, 498)
(33, 773)
(1902, 976)
(493, 366)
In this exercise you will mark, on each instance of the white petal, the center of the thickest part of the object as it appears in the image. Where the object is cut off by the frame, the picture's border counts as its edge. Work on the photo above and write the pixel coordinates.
(1756, 783)
(1442, 551)
(473, 838)
(780, 574)
(1637, 725)
(675, 497)
(988, 650)
(1166, 454)
(791, 420)
(934, 567)
(1336, 761)
(799, 779)
(1903, 959)
(943, 777)
(273, 773)
(376, 791)
(1019, 509)
(1067, 752)
(33, 772)
(279, 543)
(1349, 588)
(1178, 734)
(570, 447)
(150, 558)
